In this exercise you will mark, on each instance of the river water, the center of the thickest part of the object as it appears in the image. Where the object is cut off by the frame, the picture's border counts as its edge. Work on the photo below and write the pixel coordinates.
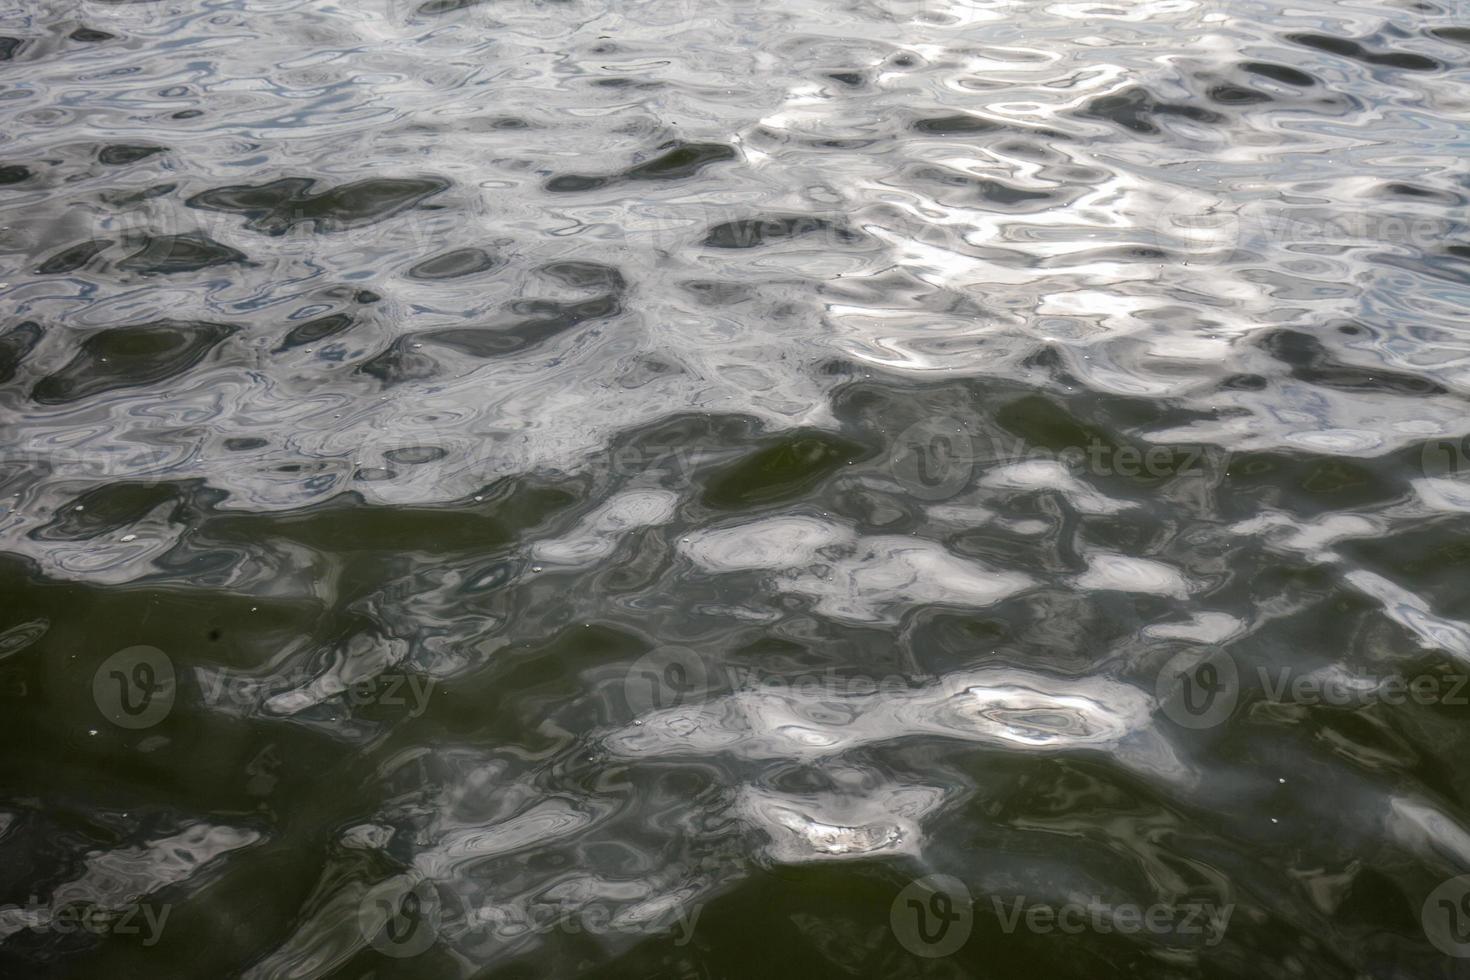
(716, 488)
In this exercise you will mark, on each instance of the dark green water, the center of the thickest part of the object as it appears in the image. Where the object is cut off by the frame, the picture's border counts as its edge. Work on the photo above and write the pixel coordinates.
(722, 490)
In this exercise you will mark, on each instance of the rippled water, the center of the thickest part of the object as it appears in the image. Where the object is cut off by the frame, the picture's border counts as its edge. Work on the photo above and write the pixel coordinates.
(725, 489)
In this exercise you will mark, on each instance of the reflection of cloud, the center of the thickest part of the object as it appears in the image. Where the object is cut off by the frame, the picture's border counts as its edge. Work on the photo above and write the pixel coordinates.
(1002, 707)
(814, 826)
(115, 879)
(596, 535)
(861, 579)
(1120, 573)
(1195, 222)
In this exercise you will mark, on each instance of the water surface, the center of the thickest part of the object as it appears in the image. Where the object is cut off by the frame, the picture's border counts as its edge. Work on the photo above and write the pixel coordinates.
(552, 488)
